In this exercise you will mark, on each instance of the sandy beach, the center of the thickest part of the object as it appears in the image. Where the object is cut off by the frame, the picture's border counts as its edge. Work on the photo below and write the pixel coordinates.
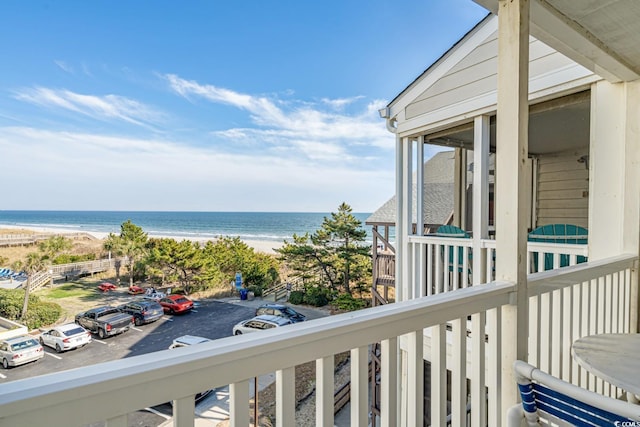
(265, 246)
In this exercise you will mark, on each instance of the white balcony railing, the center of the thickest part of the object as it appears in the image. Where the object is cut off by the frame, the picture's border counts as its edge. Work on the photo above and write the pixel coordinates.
(442, 264)
(585, 298)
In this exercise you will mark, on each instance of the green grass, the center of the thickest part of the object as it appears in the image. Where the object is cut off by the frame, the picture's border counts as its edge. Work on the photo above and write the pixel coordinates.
(69, 290)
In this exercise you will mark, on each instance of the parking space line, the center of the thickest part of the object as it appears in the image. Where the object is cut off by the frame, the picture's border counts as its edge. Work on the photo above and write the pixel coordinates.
(53, 355)
(136, 329)
(165, 416)
(3, 376)
(100, 341)
(194, 311)
(167, 318)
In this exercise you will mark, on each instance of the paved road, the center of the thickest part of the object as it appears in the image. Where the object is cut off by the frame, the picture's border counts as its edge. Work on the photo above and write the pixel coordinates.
(210, 318)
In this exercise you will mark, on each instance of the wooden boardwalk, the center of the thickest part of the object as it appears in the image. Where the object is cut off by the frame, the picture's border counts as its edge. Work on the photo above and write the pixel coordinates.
(32, 239)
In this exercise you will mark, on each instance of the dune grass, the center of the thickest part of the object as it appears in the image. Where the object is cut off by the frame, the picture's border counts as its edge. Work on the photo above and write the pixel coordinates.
(69, 290)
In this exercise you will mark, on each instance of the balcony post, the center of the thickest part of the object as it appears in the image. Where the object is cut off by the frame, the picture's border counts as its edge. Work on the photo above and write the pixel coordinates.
(325, 372)
(400, 217)
(511, 157)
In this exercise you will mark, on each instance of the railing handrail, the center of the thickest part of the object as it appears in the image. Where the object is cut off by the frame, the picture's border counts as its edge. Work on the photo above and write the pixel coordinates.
(228, 360)
(551, 280)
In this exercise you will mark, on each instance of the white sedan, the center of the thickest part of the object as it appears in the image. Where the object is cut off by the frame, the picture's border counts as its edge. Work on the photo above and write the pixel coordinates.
(259, 323)
(65, 337)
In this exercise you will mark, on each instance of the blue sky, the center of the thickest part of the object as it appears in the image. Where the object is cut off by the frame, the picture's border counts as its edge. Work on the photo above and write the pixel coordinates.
(260, 105)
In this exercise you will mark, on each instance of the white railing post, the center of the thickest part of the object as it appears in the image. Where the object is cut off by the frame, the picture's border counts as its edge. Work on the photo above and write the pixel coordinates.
(285, 397)
(324, 391)
(183, 411)
(238, 404)
(438, 375)
(389, 382)
(415, 378)
(359, 387)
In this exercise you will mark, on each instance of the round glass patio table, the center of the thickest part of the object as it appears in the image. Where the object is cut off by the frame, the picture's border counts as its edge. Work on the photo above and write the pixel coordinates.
(614, 358)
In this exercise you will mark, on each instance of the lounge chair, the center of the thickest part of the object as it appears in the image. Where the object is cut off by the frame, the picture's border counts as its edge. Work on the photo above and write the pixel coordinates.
(547, 400)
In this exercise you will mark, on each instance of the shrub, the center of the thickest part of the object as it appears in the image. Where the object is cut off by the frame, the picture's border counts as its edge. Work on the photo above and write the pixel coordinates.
(349, 303)
(317, 296)
(296, 297)
(257, 290)
(39, 313)
(42, 313)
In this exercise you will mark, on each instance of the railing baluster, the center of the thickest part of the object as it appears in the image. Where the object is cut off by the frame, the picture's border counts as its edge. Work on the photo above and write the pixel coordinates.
(285, 397)
(389, 383)
(438, 375)
(415, 378)
(478, 362)
(567, 330)
(556, 333)
(238, 404)
(359, 387)
(459, 372)
(324, 391)
(184, 411)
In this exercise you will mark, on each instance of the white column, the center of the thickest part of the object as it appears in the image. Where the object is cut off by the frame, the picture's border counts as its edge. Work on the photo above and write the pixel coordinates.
(399, 218)
(614, 169)
(614, 175)
(481, 143)
(511, 203)
(405, 211)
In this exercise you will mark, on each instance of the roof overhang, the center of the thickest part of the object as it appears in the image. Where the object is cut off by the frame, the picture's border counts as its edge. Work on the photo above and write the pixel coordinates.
(601, 35)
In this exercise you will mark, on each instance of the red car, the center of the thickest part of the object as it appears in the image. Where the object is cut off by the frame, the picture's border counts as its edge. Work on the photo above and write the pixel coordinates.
(106, 287)
(176, 304)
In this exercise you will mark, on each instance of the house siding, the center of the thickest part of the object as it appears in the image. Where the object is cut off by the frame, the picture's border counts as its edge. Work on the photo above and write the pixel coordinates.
(563, 189)
(476, 75)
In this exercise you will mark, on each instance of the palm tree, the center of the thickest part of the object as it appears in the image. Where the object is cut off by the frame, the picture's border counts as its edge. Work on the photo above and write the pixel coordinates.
(33, 263)
(131, 242)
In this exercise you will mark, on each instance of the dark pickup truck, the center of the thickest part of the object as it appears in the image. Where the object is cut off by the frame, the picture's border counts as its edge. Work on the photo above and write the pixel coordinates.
(105, 321)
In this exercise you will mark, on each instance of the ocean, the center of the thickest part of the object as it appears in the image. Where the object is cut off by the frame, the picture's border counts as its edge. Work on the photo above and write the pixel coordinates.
(261, 226)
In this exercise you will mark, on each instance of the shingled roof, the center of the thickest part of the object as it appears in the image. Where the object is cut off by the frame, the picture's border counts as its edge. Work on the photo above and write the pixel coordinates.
(438, 194)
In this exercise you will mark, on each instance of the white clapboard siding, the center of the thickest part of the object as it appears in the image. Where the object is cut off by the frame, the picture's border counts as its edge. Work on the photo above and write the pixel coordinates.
(563, 189)
(476, 75)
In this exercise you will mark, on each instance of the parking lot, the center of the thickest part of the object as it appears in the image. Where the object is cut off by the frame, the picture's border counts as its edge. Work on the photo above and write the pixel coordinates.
(210, 318)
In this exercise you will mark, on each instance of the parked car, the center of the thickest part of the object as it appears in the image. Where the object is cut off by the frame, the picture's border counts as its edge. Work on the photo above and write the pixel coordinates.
(185, 341)
(20, 350)
(259, 323)
(152, 293)
(104, 321)
(65, 337)
(143, 311)
(106, 287)
(136, 290)
(282, 311)
(174, 304)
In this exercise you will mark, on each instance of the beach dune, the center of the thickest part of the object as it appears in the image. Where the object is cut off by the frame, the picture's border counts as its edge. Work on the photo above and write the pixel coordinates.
(265, 246)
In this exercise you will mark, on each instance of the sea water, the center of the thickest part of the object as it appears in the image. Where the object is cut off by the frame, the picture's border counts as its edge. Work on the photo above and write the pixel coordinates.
(263, 226)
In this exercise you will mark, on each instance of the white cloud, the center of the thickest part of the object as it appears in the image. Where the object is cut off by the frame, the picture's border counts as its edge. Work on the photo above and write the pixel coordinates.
(108, 107)
(64, 66)
(340, 103)
(306, 129)
(66, 170)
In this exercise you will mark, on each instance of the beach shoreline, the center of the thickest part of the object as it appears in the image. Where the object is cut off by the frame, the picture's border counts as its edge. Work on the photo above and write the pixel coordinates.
(264, 246)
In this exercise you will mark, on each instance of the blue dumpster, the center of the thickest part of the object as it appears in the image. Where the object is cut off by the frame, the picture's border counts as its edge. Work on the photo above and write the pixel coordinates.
(243, 294)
